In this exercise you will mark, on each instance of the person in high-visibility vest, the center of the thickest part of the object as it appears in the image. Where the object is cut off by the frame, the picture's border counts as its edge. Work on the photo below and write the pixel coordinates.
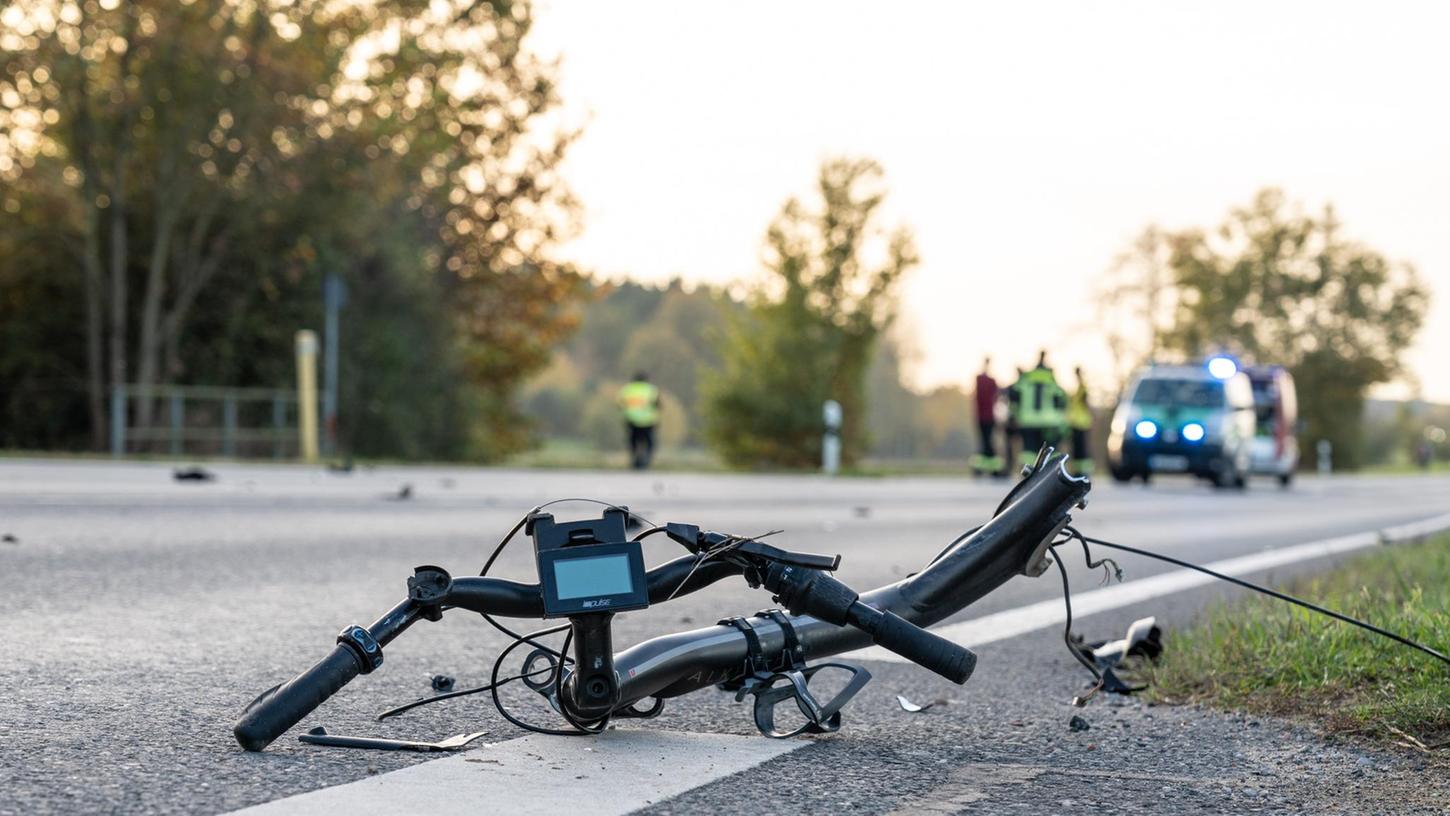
(640, 401)
(986, 392)
(1080, 422)
(1039, 404)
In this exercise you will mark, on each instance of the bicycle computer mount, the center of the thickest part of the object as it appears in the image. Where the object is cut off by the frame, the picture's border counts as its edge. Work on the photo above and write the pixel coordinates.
(588, 570)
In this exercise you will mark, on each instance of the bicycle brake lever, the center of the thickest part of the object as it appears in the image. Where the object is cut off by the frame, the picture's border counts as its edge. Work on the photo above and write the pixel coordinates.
(686, 535)
(691, 538)
(828, 563)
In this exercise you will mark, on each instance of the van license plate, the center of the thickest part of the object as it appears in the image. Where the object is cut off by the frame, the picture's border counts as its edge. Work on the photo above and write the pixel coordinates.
(1165, 462)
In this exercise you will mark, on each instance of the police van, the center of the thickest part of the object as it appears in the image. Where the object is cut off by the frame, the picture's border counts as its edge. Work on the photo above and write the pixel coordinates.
(1275, 450)
(1194, 419)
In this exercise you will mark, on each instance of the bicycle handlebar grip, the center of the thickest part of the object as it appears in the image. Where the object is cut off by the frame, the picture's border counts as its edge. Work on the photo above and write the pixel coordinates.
(281, 707)
(891, 631)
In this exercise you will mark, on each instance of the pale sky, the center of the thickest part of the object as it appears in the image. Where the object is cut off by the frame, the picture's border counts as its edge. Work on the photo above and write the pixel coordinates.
(1025, 143)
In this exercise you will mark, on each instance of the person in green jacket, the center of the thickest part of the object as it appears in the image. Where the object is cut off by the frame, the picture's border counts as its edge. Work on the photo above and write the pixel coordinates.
(1039, 406)
(640, 401)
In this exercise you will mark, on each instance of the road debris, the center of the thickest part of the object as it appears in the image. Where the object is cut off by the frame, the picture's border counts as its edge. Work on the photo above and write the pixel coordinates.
(913, 708)
(193, 474)
(1077, 724)
(1143, 640)
(319, 736)
(9, 538)
(442, 683)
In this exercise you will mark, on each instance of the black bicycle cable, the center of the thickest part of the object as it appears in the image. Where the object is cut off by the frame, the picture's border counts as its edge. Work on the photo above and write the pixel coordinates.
(393, 712)
(1273, 593)
(503, 710)
(1079, 700)
(508, 538)
(560, 656)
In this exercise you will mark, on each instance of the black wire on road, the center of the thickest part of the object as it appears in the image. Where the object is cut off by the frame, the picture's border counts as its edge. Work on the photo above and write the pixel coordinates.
(1273, 593)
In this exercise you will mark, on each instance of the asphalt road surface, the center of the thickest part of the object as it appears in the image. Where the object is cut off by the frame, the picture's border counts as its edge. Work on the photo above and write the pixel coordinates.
(142, 614)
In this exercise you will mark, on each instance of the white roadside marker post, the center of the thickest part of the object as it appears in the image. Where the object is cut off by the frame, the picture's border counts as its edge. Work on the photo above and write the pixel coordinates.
(831, 443)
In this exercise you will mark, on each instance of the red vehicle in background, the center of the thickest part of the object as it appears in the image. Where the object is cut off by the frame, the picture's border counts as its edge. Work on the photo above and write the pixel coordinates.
(1275, 448)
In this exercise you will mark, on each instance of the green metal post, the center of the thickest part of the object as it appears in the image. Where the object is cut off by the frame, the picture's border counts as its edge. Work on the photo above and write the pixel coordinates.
(229, 425)
(279, 416)
(118, 420)
(177, 419)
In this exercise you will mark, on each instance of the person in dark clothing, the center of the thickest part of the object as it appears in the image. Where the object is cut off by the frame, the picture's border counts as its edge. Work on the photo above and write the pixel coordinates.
(986, 392)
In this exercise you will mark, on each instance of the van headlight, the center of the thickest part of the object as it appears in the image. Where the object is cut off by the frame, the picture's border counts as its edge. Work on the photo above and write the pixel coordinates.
(1193, 432)
(1146, 429)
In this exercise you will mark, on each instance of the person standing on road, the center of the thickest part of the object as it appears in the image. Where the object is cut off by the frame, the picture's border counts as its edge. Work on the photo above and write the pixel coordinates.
(1080, 422)
(1040, 409)
(986, 460)
(640, 401)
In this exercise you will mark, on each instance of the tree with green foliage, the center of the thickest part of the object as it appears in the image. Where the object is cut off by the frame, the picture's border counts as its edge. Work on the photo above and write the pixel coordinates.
(667, 331)
(1277, 285)
(209, 161)
(812, 326)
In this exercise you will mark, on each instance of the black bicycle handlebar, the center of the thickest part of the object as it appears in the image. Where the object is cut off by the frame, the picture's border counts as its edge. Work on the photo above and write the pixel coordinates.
(834, 618)
(894, 633)
(283, 706)
(817, 593)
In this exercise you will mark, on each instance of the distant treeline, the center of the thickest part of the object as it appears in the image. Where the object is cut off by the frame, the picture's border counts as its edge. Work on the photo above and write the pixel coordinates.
(674, 333)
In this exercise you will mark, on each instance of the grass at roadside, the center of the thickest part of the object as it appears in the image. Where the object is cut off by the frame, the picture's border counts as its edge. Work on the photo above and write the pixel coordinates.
(1273, 658)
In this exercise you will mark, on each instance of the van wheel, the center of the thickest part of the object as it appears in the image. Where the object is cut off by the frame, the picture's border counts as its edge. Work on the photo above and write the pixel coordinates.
(1223, 477)
(1286, 479)
(1120, 475)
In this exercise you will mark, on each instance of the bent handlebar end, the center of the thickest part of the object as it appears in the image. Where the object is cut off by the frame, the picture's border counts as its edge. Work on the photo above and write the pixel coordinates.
(249, 735)
(283, 706)
(926, 649)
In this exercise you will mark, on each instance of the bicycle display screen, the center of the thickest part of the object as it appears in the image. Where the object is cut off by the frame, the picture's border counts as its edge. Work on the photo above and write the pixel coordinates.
(591, 578)
(595, 575)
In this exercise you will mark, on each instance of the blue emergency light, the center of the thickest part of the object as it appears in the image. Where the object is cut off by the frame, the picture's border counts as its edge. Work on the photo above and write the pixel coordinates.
(1222, 367)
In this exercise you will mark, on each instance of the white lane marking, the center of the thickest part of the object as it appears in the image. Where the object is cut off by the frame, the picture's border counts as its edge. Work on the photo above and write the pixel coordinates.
(1024, 619)
(615, 773)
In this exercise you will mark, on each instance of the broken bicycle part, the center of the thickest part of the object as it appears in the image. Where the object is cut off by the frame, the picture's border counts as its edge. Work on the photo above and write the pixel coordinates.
(319, 736)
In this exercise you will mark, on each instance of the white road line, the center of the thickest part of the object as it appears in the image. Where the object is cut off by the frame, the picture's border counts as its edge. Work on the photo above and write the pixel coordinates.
(617, 772)
(1024, 619)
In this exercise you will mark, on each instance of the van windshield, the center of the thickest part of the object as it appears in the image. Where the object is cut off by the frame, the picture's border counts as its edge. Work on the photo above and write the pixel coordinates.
(1189, 393)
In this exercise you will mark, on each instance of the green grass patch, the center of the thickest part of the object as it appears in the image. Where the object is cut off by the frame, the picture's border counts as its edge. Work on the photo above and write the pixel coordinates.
(1270, 657)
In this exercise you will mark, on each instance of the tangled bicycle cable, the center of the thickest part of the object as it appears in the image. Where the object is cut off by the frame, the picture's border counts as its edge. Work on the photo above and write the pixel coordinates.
(1072, 534)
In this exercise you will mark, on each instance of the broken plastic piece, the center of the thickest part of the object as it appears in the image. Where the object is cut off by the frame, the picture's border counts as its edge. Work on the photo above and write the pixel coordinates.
(1143, 639)
(319, 736)
(912, 708)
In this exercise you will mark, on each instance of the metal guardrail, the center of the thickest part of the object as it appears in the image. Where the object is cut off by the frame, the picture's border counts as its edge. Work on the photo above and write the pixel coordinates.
(218, 429)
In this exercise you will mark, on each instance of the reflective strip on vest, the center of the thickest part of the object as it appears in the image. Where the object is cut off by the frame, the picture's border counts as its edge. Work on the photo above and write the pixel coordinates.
(640, 401)
(1039, 397)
